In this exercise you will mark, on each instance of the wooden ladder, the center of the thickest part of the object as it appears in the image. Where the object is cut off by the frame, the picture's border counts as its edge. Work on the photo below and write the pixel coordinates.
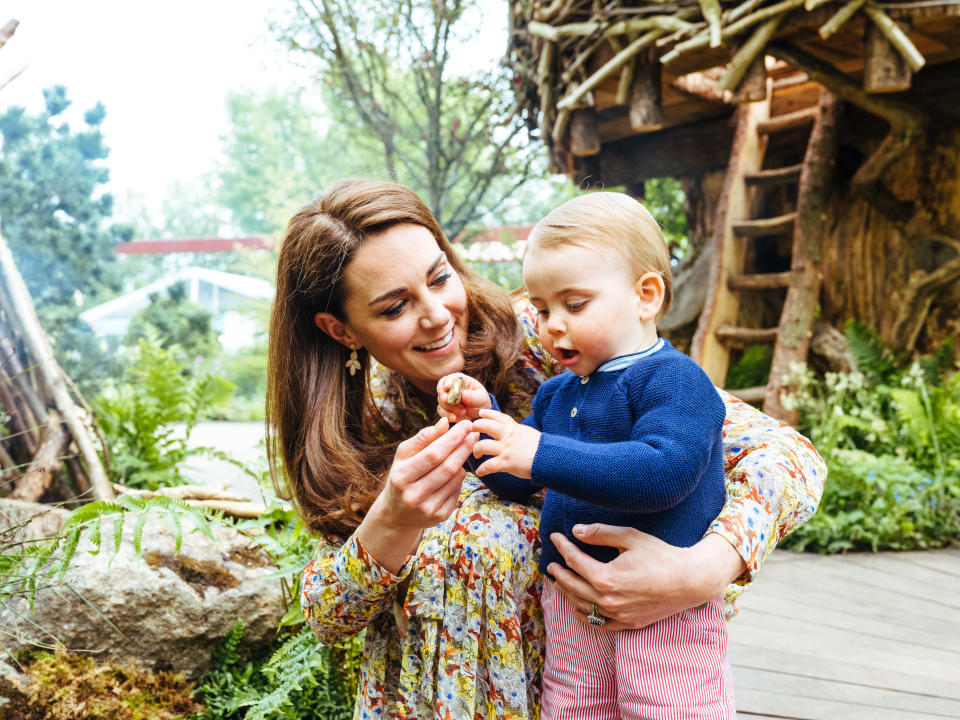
(722, 326)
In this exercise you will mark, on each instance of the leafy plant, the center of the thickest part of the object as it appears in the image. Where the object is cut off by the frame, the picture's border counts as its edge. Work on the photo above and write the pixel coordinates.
(890, 436)
(752, 369)
(148, 416)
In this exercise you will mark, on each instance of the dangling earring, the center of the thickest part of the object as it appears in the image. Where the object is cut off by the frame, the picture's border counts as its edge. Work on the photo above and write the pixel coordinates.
(353, 363)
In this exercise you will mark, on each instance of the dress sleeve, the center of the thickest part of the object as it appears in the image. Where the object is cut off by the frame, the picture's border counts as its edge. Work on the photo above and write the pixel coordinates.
(774, 479)
(344, 588)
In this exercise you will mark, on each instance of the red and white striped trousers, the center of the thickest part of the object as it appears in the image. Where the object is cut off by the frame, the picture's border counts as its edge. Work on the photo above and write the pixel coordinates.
(675, 669)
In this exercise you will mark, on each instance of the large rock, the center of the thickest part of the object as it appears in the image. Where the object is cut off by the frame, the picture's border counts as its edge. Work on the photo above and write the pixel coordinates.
(162, 610)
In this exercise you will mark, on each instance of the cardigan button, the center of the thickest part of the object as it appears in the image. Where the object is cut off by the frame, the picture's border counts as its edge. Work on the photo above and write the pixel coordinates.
(584, 379)
(573, 413)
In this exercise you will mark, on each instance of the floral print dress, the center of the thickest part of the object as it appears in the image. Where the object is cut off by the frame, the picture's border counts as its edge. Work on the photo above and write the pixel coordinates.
(465, 642)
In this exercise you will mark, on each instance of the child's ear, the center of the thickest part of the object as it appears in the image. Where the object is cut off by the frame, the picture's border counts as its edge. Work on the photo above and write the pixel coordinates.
(650, 292)
(335, 328)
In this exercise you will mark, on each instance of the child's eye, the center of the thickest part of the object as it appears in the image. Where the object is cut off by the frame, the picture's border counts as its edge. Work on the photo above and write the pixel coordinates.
(576, 306)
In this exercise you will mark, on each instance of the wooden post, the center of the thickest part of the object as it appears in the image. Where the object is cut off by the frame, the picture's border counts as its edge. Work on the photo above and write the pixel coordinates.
(753, 87)
(21, 311)
(646, 110)
(885, 69)
(799, 309)
(584, 134)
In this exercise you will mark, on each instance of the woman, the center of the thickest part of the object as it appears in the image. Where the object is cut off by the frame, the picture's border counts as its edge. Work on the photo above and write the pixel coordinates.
(441, 573)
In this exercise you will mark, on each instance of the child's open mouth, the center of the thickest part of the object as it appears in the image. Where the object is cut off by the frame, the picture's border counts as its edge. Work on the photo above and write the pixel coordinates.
(568, 356)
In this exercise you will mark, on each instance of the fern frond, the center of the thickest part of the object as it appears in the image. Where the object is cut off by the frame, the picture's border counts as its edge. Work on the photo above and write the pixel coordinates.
(874, 359)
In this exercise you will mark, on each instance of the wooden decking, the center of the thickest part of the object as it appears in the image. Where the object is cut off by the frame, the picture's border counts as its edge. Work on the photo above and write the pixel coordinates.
(849, 637)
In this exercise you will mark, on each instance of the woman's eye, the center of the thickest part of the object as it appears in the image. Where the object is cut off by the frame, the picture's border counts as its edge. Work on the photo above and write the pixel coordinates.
(394, 310)
(441, 279)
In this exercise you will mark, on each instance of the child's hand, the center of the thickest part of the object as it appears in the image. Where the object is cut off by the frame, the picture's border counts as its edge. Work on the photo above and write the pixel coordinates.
(472, 397)
(512, 445)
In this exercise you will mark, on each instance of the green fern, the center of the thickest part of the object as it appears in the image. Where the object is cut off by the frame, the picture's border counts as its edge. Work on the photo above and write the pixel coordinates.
(148, 416)
(874, 359)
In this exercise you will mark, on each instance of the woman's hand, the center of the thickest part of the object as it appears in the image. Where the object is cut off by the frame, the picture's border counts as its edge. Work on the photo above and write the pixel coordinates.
(511, 444)
(421, 490)
(473, 398)
(648, 581)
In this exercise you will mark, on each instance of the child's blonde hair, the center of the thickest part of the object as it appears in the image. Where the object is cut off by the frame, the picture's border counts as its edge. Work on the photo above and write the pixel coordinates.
(614, 220)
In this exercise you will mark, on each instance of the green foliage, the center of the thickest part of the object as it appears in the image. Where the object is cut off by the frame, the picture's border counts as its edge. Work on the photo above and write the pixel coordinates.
(56, 219)
(452, 136)
(176, 321)
(301, 678)
(247, 370)
(664, 198)
(891, 441)
(148, 416)
(752, 369)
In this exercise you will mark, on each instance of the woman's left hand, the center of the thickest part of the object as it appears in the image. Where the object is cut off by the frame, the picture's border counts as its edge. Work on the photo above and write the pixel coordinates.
(648, 581)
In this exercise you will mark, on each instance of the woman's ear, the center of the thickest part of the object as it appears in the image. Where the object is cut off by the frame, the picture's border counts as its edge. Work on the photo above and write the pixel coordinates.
(335, 328)
(650, 292)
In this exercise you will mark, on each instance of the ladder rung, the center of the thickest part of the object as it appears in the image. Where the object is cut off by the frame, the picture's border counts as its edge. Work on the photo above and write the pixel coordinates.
(747, 336)
(759, 281)
(766, 226)
(798, 78)
(789, 121)
(750, 394)
(775, 176)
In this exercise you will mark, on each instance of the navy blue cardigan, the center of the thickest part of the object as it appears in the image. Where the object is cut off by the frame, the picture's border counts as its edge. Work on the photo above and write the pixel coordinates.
(636, 443)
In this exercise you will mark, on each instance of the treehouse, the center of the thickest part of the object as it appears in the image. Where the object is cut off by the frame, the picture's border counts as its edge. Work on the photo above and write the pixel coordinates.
(818, 145)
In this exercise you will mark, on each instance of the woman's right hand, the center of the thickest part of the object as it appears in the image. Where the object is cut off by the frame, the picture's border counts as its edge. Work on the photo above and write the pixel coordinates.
(473, 398)
(421, 490)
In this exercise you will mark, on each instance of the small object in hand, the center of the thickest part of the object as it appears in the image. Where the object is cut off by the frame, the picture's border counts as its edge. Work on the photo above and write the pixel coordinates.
(456, 390)
(595, 618)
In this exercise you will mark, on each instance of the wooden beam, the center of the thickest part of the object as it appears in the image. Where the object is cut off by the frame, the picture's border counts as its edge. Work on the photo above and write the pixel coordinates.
(681, 151)
(884, 69)
(21, 309)
(765, 226)
(775, 176)
(799, 309)
(759, 281)
(646, 107)
(753, 86)
(790, 121)
(746, 336)
(722, 306)
(7, 31)
(584, 135)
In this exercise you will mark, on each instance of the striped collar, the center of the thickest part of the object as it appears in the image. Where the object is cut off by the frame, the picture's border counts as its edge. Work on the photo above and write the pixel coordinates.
(624, 361)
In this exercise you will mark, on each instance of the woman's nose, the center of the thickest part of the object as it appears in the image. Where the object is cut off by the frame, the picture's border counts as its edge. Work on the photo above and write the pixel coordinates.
(435, 315)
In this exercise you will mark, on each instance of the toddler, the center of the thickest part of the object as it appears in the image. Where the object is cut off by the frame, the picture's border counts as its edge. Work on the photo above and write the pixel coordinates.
(632, 436)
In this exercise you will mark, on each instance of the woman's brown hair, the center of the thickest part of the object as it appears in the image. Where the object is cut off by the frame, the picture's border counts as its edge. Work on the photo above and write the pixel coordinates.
(315, 409)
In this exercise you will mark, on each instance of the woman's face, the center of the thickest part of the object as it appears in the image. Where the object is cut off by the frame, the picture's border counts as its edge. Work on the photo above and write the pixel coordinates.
(406, 305)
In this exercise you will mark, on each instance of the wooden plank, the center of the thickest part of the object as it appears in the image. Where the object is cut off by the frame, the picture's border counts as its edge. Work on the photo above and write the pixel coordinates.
(887, 609)
(829, 664)
(843, 617)
(759, 281)
(775, 176)
(771, 704)
(856, 647)
(781, 123)
(911, 568)
(750, 394)
(746, 336)
(778, 225)
(721, 306)
(868, 696)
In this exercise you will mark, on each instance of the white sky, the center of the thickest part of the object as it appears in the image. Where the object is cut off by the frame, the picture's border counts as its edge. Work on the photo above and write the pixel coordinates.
(163, 71)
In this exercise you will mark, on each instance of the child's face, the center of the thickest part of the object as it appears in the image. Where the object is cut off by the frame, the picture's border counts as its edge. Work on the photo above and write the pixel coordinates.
(591, 308)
